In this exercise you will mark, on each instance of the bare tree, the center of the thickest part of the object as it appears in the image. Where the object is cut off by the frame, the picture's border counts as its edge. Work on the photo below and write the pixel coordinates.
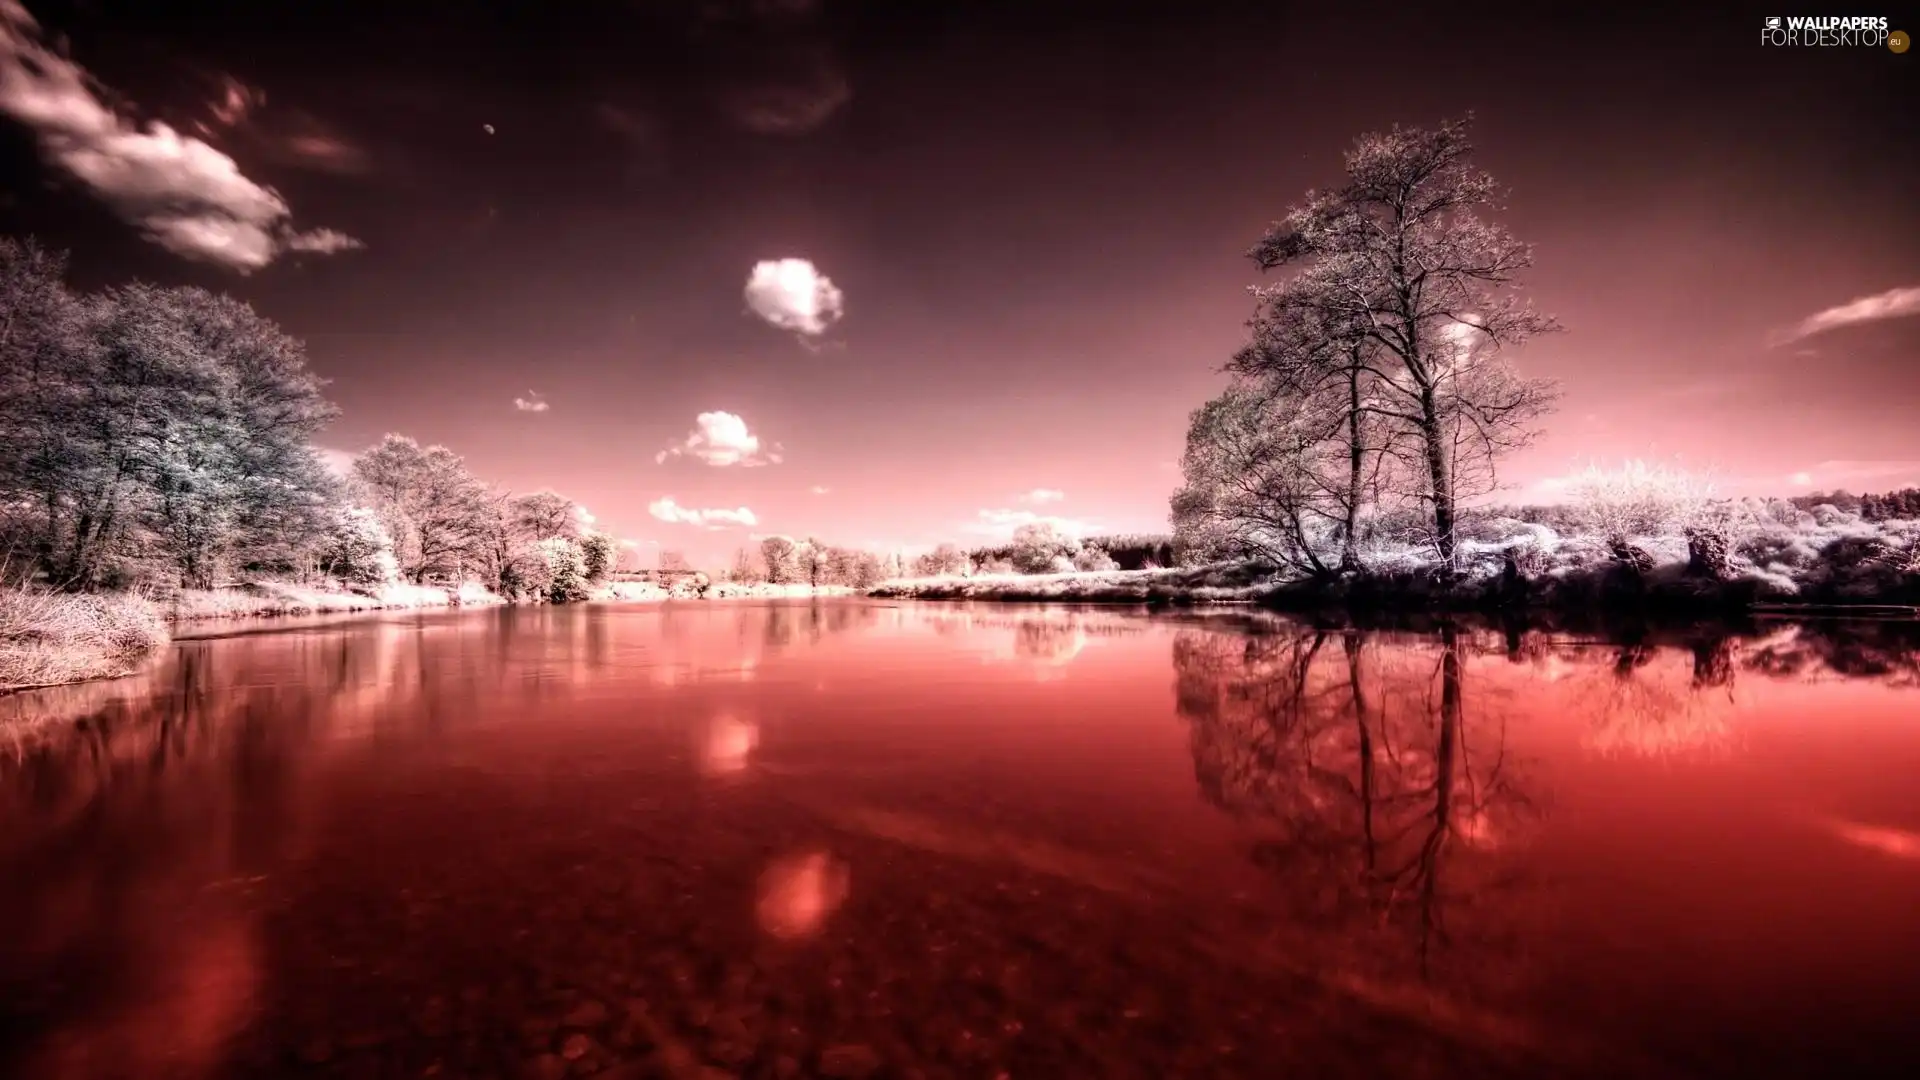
(1401, 252)
(782, 559)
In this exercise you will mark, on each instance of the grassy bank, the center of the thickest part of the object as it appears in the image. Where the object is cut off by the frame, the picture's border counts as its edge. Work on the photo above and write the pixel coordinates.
(283, 598)
(47, 639)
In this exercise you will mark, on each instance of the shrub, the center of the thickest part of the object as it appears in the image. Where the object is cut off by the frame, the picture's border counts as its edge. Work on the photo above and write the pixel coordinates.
(566, 569)
(1094, 559)
(598, 553)
(1036, 547)
(360, 550)
(1640, 499)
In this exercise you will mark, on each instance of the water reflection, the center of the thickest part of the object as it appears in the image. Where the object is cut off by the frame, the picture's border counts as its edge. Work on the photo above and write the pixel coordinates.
(798, 892)
(517, 842)
(728, 744)
(1374, 778)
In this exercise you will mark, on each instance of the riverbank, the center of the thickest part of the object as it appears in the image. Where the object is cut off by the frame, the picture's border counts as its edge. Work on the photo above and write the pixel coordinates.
(50, 639)
(1612, 587)
(260, 599)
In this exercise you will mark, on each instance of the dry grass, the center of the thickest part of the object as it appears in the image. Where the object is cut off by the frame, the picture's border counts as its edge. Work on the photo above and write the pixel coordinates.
(49, 639)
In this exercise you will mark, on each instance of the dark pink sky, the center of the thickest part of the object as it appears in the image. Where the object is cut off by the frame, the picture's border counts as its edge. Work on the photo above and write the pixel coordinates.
(1036, 213)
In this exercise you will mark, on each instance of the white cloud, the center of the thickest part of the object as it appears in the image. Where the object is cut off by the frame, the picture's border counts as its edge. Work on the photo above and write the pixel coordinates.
(322, 242)
(669, 511)
(1801, 479)
(1043, 495)
(792, 295)
(184, 194)
(721, 438)
(531, 403)
(1892, 304)
(586, 518)
(1004, 522)
(819, 490)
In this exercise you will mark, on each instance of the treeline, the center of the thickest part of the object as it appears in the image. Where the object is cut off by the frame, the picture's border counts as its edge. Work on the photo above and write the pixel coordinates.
(163, 437)
(784, 560)
(1040, 549)
(1893, 505)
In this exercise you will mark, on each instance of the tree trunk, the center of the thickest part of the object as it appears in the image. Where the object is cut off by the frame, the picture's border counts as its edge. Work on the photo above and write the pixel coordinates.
(1438, 477)
(1356, 469)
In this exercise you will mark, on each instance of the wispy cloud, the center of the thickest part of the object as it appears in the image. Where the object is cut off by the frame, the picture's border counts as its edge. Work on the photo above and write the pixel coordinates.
(794, 295)
(182, 193)
(819, 490)
(1867, 474)
(1002, 523)
(533, 402)
(720, 439)
(671, 512)
(1892, 304)
(1043, 495)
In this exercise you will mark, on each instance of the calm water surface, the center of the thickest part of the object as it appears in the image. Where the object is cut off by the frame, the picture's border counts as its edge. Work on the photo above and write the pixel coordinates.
(859, 840)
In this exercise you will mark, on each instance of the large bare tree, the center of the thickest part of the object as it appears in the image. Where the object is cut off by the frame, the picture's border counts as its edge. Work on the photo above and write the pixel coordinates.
(1413, 286)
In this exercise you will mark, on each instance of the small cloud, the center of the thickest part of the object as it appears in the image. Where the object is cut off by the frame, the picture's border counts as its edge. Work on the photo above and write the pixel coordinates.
(533, 402)
(585, 516)
(720, 439)
(322, 242)
(669, 511)
(1004, 522)
(1801, 479)
(1892, 304)
(793, 295)
(1043, 495)
(818, 490)
(182, 193)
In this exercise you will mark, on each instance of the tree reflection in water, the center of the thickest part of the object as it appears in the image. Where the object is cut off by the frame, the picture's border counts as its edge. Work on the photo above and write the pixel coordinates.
(1378, 789)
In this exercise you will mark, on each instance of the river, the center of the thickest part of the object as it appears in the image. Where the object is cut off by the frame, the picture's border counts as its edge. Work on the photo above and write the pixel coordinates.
(857, 839)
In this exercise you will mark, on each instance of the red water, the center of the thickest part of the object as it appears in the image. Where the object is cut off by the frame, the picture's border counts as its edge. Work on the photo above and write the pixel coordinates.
(853, 839)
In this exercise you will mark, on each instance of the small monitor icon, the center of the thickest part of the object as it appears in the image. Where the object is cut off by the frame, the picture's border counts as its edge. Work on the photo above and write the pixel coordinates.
(1773, 22)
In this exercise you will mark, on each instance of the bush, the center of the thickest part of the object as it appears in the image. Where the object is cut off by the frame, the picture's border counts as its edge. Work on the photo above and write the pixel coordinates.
(1639, 499)
(1094, 559)
(566, 570)
(360, 551)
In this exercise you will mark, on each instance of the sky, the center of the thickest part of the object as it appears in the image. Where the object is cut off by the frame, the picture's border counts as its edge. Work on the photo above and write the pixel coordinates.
(893, 273)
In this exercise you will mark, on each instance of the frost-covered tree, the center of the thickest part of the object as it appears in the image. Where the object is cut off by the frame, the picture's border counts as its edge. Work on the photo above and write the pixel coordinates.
(782, 560)
(566, 570)
(944, 560)
(161, 428)
(359, 551)
(1403, 252)
(1092, 558)
(438, 513)
(1256, 483)
(598, 552)
(1036, 546)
